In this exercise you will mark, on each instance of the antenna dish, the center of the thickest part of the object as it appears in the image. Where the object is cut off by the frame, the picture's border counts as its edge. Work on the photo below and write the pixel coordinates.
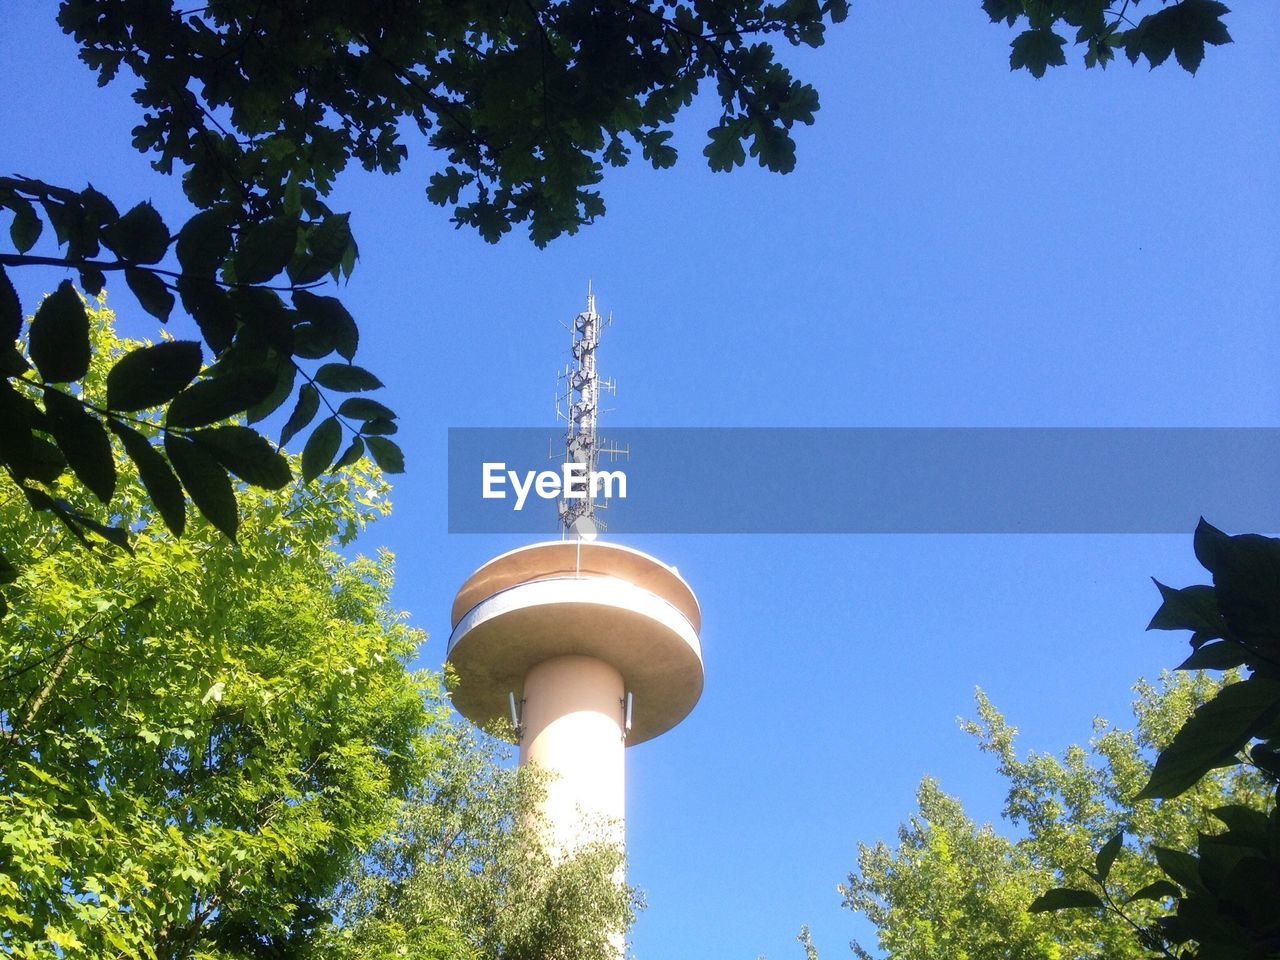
(583, 528)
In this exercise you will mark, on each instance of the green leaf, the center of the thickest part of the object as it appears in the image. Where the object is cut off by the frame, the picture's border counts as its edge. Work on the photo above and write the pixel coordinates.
(304, 412)
(1246, 579)
(83, 442)
(321, 448)
(206, 481)
(1212, 736)
(59, 336)
(264, 249)
(1037, 50)
(1223, 655)
(346, 378)
(161, 485)
(354, 451)
(362, 408)
(1245, 824)
(379, 428)
(26, 227)
(10, 311)
(1191, 608)
(217, 398)
(211, 307)
(327, 244)
(1157, 890)
(151, 376)
(1064, 898)
(1107, 856)
(285, 374)
(334, 328)
(247, 454)
(117, 536)
(140, 236)
(386, 453)
(203, 243)
(152, 292)
(1181, 867)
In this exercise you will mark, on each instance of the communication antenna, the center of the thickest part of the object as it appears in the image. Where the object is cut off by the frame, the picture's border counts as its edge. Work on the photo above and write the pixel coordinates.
(579, 406)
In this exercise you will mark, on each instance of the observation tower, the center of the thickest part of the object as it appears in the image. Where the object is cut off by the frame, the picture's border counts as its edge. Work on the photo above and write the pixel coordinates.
(587, 647)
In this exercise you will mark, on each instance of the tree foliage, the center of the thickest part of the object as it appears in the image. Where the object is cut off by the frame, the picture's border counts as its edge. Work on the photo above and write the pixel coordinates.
(1226, 885)
(464, 875)
(953, 888)
(1102, 27)
(196, 737)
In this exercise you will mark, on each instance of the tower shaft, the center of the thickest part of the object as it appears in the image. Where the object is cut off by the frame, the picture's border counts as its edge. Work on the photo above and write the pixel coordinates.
(573, 730)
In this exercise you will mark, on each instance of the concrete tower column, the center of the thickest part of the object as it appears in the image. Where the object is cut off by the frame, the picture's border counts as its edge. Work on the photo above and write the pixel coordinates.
(573, 729)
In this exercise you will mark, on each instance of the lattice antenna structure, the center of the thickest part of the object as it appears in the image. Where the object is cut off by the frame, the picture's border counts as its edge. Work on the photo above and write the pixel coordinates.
(579, 406)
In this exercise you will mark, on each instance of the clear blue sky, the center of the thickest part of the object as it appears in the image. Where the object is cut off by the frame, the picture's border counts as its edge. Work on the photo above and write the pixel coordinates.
(960, 246)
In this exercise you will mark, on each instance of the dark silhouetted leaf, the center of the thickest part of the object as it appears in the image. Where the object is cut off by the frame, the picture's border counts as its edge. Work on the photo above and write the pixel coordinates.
(286, 372)
(157, 477)
(304, 412)
(1158, 890)
(1064, 898)
(1223, 655)
(1191, 608)
(265, 314)
(10, 311)
(379, 428)
(1107, 855)
(140, 236)
(1212, 735)
(206, 481)
(211, 307)
(354, 451)
(1037, 50)
(151, 291)
(334, 329)
(1246, 579)
(84, 443)
(8, 571)
(346, 378)
(117, 536)
(204, 243)
(59, 336)
(26, 227)
(42, 461)
(247, 454)
(320, 449)
(264, 249)
(150, 376)
(217, 398)
(92, 281)
(362, 408)
(1181, 867)
(328, 241)
(386, 453)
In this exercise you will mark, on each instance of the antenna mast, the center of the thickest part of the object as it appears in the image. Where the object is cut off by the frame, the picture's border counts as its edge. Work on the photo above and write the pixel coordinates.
(582, 399)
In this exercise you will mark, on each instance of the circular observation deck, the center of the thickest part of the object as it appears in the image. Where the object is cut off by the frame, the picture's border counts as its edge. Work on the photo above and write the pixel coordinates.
(572, 597)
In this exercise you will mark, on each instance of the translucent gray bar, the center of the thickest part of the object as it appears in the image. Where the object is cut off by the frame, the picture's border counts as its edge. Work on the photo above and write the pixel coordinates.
(894, 480)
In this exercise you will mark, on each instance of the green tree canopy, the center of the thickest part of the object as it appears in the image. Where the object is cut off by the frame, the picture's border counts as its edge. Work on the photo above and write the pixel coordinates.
(956, 889)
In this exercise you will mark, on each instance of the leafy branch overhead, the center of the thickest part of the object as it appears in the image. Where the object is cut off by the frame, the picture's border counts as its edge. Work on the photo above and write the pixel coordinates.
(1224, 894)
(1181, 28)
(54, 421)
